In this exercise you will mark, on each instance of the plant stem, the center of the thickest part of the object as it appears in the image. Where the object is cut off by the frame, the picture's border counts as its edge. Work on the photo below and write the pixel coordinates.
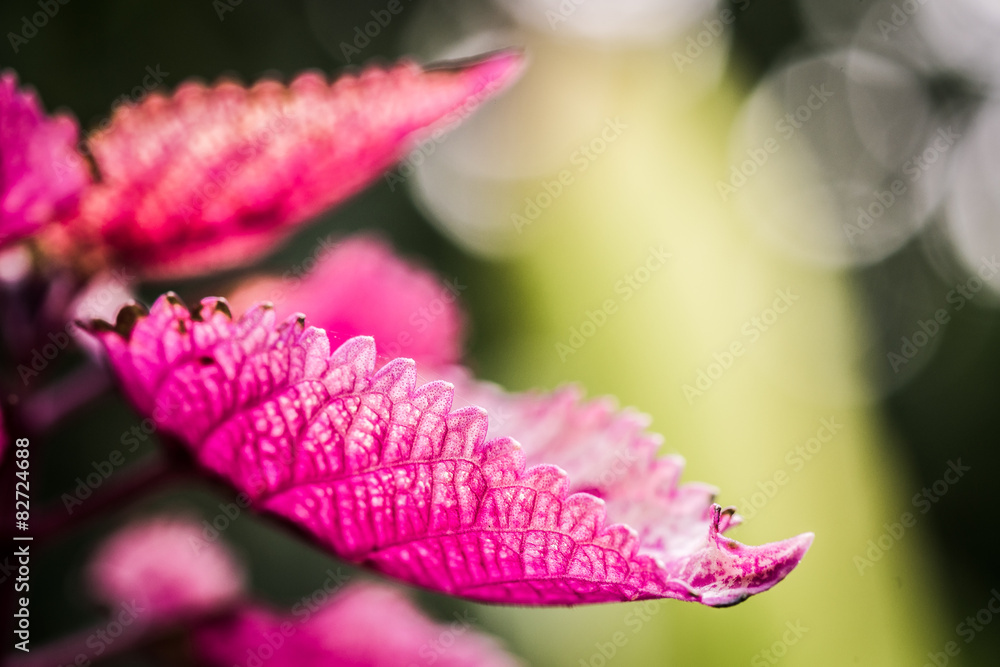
(143, 479)
(66, 650)
(47, 407)
(137, 635)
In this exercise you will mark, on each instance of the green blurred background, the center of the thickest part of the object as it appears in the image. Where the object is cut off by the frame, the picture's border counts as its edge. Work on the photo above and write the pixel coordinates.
(655, 185)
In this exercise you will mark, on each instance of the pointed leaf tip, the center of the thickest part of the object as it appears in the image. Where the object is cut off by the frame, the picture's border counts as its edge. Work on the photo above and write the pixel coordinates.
(212, 177)
(499, 68)
(387, 474)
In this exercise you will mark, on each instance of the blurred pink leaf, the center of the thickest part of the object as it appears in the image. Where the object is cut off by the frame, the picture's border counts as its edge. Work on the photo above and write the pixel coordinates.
(360, 287)
(383, 473)
(167, 568)
(210, 177)
(365, 625)
(41, 176)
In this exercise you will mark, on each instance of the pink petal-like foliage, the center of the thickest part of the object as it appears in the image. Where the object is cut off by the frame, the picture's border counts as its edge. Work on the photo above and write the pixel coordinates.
(168, 569)
(364, 626)
(211, 176)
(606, 452)
(384, 473)
(361, 288)
(41, 176)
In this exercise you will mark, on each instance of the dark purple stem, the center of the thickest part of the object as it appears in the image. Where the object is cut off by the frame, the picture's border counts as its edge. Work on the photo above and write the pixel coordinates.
(142, 479)
(46, 408)
(66, 650)
(140, 634)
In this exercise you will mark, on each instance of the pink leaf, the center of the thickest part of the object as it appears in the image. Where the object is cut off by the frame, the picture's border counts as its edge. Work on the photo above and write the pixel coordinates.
(606, 452)
(365, 625)
(360, 287)
(168, 569)
(41, 176)
(210, 177)
(384, 473)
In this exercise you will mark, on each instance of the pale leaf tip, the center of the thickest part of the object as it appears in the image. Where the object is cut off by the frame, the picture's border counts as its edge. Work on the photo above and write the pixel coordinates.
(497, 69)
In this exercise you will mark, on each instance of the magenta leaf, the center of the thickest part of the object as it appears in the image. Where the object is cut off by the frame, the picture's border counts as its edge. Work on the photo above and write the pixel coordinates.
(606, 452)
(384, 473)
(211, 176)
(41, 176)
(364, 625)
(168, 570)
(360, 287)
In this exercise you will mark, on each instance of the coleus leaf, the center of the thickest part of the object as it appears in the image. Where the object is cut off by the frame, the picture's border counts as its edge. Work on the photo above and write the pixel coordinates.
(365, 625)
(165, 566)
(360, 287)
(606, 452)
(167, 569)
(384, 473)
(210, 176)
(41, 177)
